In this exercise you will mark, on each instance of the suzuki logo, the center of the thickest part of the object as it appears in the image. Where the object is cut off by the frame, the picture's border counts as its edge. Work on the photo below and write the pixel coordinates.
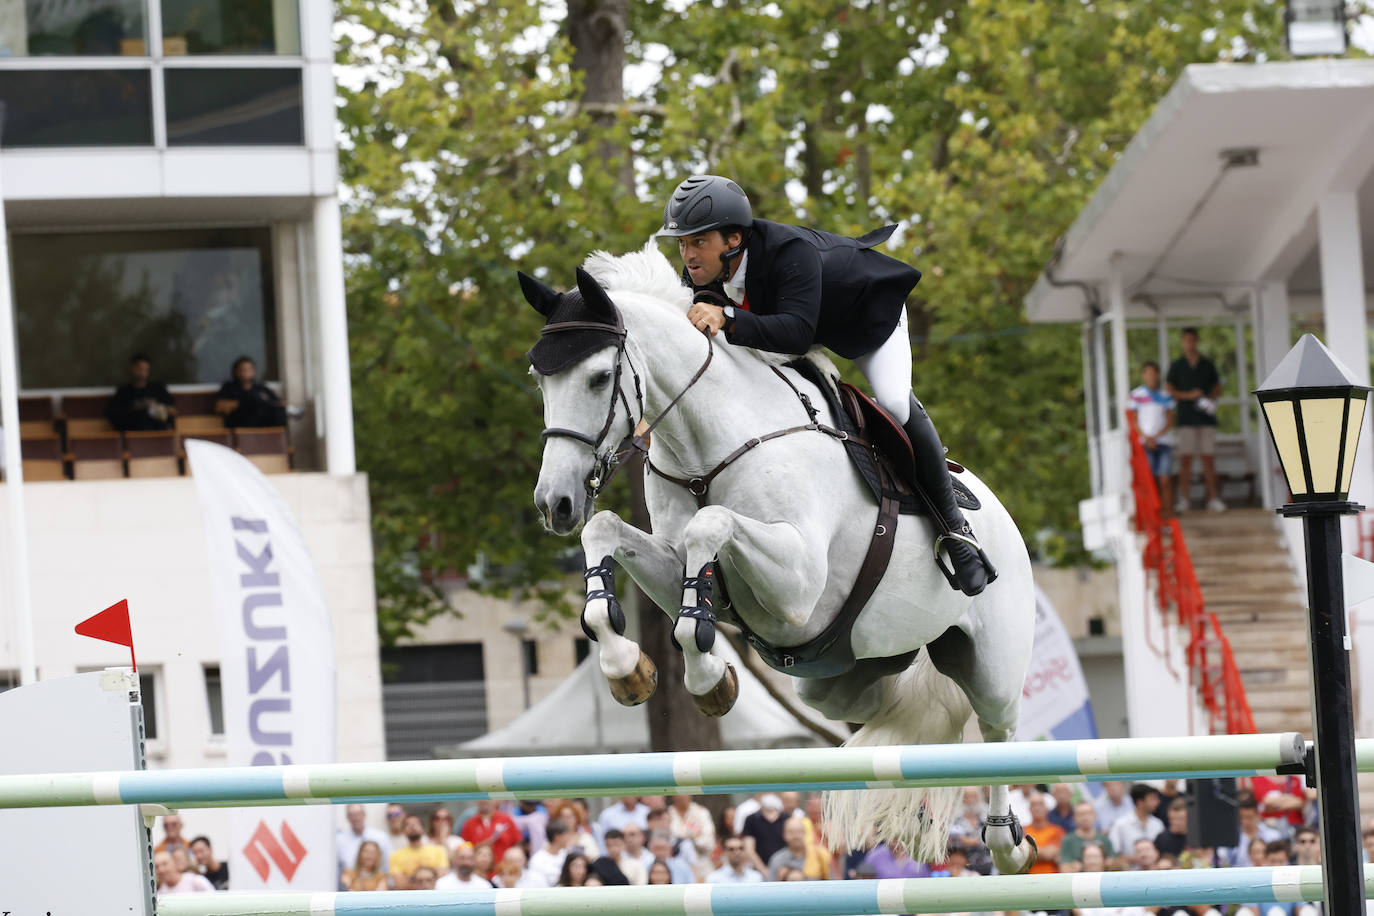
(288, 859)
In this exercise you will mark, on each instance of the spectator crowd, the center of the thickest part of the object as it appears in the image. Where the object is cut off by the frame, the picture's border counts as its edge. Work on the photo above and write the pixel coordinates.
(783, 837)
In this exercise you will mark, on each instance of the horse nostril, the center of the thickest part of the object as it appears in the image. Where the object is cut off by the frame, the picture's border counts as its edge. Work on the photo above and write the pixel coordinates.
(563, 508)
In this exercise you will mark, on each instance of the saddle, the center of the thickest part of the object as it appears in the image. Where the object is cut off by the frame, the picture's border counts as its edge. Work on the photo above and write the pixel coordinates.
(877, 445)
(881, 452)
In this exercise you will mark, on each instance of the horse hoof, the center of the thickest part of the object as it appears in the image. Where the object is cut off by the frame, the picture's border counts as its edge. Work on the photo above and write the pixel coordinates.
(1031, 856)
(720, 699)
(637, 686)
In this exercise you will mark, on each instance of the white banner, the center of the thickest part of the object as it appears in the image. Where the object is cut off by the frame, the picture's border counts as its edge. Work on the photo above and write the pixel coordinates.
(276, 666)
(1054, 701)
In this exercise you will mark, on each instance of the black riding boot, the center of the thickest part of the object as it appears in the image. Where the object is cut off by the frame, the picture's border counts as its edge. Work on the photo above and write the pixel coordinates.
(972, 570)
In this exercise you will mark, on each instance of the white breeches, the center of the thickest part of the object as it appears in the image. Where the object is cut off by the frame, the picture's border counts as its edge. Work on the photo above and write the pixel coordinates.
(888, 370)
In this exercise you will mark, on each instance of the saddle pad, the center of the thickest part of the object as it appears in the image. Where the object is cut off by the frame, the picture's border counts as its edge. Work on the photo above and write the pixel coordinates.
(883, 475)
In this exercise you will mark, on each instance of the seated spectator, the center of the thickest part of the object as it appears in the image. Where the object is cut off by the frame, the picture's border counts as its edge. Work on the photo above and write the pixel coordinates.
(692, 822)
(763, 831)
(215, 871)
(141, 403)
(1175, 839)
(660, 822)
(415, 853)
(893, 862)
(1047, 835)
(1282, 801)
(513, 873)
(490, 827)
(172, 839)
(1085, 833)
(1112, 805)
(956, 863)
(1198, 857)
(967, 830)
(351, 837)
(1061, 812)
(243, 402)
(181, 858)
(483, 861)
(635, 848)
(423, 879)
(1144, 856)
(395, 825)
(1277, 854)
(576, 867)
(171, 880)
(575, 816)
(464, 875)
(532, 818)
(736, 869)
(441, 830)
(1251, 830)
(547, 862)
(629, 866)
(659, 873)
(368, 872)
(594, 880)
(661, 847)
(793, 852)
(1140, 823)
(1307, 846)
(629, 811)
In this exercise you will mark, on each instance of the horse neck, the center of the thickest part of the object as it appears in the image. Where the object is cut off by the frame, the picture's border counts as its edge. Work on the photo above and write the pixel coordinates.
(718, 411)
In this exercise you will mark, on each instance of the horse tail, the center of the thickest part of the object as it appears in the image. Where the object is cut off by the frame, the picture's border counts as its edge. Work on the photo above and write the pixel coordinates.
(923, 707)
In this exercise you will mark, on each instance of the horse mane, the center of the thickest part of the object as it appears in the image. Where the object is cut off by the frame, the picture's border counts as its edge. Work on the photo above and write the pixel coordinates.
(648, 272)
(645, 271)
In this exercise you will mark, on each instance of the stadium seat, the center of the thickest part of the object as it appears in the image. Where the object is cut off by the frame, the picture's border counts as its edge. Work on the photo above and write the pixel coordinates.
(96, 456)
(266, 447)
(152, 454)
(36, 416)
(84, 414)
(196, 412)
(42, 458)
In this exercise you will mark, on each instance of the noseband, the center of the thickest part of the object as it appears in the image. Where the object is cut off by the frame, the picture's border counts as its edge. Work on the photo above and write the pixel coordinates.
(608, 462)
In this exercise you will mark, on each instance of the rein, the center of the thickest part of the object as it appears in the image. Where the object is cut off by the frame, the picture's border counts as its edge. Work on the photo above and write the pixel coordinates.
(608, 463)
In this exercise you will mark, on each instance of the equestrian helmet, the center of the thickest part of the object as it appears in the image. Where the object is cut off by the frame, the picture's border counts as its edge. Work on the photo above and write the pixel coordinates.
(705, 202)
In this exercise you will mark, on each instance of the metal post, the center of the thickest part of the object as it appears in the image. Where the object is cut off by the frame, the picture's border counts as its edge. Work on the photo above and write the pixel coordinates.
(1332, 713)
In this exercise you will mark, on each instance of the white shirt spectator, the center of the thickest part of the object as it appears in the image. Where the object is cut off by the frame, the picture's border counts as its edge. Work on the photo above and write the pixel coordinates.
(727, 875)
(1108, 814)
(188, 884)
(631, 868)
(695, 825)
(1128, 829)
(527, 879)
(451, 882)
(548, 865)
(1152, 406)
(617, 816)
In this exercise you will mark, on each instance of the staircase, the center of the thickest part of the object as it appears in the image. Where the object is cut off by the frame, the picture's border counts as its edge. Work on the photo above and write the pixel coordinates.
(1247, 580)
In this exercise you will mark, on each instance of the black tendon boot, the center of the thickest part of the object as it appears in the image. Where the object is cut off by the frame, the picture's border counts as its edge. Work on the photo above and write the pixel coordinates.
(972, 570)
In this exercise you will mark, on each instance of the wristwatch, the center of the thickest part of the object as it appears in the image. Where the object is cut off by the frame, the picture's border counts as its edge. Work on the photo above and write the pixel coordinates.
(729, 311)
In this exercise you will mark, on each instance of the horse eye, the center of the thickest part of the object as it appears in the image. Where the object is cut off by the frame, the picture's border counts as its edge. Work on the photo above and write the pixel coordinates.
(600, 380)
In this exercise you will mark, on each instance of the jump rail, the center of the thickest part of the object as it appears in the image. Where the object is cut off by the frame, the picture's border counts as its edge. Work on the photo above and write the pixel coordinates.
(690, 772)
(810, 898)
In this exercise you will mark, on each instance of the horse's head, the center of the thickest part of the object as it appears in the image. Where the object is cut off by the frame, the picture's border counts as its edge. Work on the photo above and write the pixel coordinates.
(579, 363)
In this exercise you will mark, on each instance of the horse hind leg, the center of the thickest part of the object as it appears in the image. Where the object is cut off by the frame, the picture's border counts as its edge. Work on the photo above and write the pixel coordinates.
(992, 682)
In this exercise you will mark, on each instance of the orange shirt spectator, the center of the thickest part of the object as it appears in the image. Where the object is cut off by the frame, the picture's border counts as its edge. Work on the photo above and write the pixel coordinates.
(1047, 835)
(489, 827)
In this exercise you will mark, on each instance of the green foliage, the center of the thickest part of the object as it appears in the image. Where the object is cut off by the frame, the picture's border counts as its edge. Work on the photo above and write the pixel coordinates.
(981, 127)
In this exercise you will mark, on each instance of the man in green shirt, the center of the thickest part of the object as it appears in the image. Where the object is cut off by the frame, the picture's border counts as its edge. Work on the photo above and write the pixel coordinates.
(1085, 833)
(1195, 385)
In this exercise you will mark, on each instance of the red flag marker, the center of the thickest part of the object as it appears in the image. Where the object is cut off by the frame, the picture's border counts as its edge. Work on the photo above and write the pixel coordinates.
(111, 625)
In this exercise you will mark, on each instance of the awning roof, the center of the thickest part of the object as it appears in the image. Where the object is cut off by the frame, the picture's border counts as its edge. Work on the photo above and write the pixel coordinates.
(1184, 224)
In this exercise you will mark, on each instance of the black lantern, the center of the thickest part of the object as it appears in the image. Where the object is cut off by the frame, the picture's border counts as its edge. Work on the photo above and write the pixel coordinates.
(1314, 408)
(1316, 28)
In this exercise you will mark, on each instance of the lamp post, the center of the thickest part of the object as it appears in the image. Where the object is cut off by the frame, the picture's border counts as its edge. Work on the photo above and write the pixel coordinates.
(1314, 409)
(1315, 28)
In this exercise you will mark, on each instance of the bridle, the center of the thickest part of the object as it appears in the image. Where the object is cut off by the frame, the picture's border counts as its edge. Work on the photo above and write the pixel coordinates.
(607, 462)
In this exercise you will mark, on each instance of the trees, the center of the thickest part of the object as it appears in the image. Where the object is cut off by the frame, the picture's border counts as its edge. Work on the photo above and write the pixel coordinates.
(470, 149)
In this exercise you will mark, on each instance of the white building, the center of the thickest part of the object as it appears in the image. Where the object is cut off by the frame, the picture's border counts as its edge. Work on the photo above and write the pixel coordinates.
(169, 173)
(1244, 206)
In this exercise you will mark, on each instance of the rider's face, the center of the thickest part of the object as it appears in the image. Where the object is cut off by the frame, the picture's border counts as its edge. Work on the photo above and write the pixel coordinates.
(701, 254)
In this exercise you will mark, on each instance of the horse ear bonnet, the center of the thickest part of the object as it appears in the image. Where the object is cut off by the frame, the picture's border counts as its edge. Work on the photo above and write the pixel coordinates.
(588, 302)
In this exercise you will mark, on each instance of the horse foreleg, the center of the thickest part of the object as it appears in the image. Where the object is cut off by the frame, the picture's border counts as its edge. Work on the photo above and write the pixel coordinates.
(653, 564)
(772, 553)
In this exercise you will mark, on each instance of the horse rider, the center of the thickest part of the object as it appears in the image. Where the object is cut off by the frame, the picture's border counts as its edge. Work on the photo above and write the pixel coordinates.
(785, 288)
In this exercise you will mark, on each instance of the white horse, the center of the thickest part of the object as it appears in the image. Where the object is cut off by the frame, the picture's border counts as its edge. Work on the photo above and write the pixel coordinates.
(789, 523)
